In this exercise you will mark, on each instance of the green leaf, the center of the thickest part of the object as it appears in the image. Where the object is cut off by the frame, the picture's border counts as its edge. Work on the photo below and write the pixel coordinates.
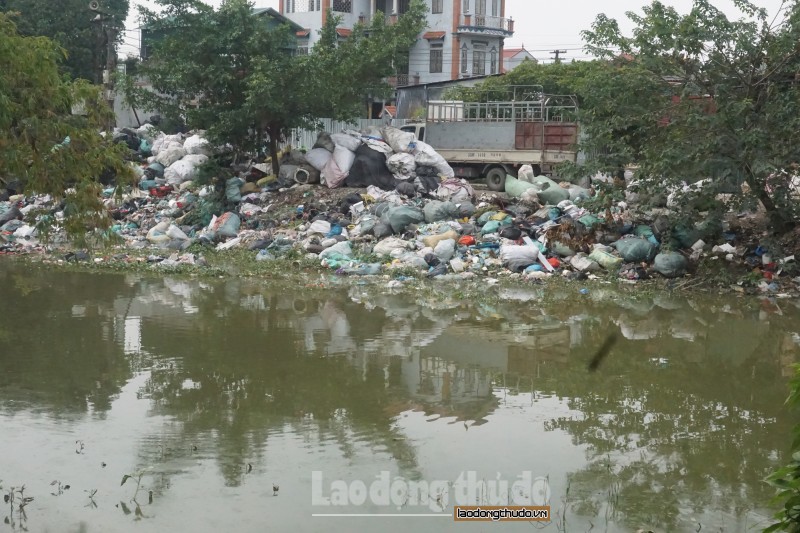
(125, 478)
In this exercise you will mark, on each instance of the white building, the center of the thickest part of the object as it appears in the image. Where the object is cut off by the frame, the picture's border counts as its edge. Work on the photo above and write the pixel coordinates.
(463, 38)
(514, 57)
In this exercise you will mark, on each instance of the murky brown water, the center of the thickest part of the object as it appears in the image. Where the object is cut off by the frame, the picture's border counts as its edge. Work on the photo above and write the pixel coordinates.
(214, 392)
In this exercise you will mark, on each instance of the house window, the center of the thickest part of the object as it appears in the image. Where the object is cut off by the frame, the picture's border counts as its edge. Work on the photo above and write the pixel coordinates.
(465, 7)
(480, 12)
(495, 8)
(493, 61)
(301, 50)
(464, 58)
(343, 6)
(402, 6)
(436, 6)
(302, 6)
(437, 58)
(478, 62)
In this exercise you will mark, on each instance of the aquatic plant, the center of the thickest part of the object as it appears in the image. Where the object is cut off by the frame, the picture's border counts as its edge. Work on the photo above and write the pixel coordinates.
(787, 478)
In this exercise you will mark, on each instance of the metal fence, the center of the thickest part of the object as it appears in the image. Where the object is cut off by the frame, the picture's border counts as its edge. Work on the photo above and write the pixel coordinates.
(302, 138)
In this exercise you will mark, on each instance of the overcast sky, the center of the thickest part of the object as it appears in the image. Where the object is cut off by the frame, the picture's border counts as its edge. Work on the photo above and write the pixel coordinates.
(541, 25)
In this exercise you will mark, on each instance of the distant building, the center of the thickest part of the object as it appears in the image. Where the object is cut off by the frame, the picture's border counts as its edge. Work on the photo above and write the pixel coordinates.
(463, 38)
(514, 57)
(271, 18)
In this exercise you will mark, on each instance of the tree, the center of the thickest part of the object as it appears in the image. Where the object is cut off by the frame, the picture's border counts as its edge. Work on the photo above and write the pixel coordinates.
(225, 71)
(42, 143)
(70, 24)
(553, 78)
(700, 96)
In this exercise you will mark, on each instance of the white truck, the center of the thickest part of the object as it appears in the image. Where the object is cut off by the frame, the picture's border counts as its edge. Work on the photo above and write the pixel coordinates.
(494, 138)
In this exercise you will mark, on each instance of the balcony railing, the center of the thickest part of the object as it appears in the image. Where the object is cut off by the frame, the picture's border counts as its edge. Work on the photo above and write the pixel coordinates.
(485, 23)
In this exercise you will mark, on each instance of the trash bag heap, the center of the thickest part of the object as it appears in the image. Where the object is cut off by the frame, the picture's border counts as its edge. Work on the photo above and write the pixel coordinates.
(401, 211)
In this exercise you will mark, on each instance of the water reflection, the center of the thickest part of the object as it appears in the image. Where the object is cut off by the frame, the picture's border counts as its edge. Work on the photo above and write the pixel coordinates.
(678, 427)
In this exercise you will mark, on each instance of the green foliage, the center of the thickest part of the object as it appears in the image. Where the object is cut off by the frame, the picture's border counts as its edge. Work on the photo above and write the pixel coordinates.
(699, 96)
(552, 78)
(787, 479)
(228, 72)
(69, 23)
(45, 146)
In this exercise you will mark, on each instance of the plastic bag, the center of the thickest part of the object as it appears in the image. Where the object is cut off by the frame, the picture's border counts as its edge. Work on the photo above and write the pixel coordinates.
(369, 168)
(401, 164)
(344, 158)
(341, 248)
(158, 233)
(179, 172)
(227, 225)
(635, 249)
(176, 233)
(197, 145)
(581, 263)
(605, 259)
(318, 158)
(332, 174)
(232, 190)
(388, 245)
(455, 190)
(400, 217)
(445, 249)
(515, 187)
(171, 155)
(324, 141)
(346, 141)
(550, 193)
(400, 141)
(432, 241)
(517, 258)
(671, 264)
(526, 174)
(425, 155)
(436, 211)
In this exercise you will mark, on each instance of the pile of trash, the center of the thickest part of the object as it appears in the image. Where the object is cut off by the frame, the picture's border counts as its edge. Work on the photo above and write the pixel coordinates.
(400, 210)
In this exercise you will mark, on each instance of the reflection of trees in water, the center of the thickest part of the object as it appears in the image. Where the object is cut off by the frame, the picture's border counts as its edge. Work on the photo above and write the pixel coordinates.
(245, 376)
(672, 425)
(680, 416)
(57, 339)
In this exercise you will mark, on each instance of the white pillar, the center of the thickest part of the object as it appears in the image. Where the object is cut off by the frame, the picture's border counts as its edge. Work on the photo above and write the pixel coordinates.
(394, 7)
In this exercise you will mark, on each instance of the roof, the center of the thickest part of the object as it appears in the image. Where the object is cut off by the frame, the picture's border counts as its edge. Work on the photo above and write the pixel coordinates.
(391, 110)
(431, 35)
(344, 32)
(508, 53)
(305, 32)
(277, 16)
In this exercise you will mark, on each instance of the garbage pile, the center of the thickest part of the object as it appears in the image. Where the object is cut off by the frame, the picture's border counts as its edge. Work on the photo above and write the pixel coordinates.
(402, 211)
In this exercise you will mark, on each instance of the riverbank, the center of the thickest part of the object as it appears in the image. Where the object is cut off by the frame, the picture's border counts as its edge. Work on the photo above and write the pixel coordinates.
(463, 240)
(295, 269)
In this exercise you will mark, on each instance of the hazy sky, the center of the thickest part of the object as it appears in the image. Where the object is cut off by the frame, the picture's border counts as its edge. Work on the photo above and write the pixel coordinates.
(541, 25)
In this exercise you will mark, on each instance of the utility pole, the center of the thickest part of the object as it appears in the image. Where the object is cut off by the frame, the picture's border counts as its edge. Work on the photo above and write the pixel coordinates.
(111, 62)
(107, 36)
(558, 54)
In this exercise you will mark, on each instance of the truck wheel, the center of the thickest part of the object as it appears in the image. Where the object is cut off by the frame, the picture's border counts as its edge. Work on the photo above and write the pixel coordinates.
(496, 179)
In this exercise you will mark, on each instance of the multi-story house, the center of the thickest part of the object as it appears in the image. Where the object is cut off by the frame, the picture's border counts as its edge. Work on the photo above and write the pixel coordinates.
(463, 38)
